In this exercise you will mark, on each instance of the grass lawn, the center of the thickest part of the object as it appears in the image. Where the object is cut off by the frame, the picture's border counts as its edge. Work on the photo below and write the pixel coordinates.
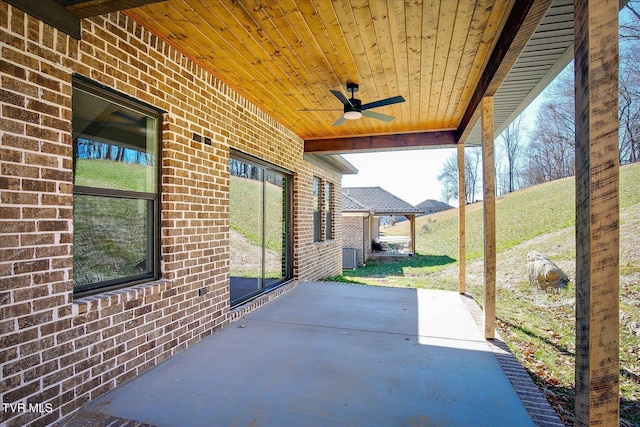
(539, 327)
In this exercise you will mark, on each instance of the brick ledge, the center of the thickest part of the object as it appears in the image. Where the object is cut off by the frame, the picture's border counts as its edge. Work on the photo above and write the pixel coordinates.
(106, 299)
(532, 398)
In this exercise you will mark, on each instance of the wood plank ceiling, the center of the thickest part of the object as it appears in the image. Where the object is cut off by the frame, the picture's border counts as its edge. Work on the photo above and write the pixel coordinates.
(286, 56)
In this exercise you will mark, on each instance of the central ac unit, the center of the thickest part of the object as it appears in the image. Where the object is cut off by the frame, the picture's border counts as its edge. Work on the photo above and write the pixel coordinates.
(349, 258)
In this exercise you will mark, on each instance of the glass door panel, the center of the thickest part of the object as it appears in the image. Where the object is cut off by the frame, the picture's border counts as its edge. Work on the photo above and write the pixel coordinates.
(246, 234)
(276, 247)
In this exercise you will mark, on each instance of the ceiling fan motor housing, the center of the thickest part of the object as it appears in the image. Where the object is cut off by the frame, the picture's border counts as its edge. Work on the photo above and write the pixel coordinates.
(353, 109)
(353, 105)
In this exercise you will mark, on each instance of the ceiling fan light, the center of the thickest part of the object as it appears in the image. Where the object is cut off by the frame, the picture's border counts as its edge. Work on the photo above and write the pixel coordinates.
(352, 115)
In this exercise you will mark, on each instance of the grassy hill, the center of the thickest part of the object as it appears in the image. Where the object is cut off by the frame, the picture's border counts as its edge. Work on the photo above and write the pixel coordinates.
(538, 327)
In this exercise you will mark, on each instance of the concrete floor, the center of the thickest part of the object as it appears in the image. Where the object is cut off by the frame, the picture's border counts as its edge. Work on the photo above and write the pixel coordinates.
(329, 354)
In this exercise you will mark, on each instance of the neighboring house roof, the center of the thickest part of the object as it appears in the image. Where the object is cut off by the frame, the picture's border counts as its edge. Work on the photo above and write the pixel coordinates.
(351, 204)
(433, 204)
(378, 200)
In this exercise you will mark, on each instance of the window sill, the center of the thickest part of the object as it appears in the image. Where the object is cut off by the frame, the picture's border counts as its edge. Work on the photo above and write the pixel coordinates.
(130, 297)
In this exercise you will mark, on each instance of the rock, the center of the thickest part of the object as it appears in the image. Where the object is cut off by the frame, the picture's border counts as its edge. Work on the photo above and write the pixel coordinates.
(545, 274)
(633, 328)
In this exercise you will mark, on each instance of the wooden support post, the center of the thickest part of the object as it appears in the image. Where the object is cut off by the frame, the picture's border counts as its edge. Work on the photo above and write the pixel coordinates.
(412, 222)
(489, 204)
(462, 244)
(597, 213)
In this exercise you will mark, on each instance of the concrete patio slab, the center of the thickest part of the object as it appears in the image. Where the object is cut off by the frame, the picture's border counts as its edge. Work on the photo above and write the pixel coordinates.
(328, 354)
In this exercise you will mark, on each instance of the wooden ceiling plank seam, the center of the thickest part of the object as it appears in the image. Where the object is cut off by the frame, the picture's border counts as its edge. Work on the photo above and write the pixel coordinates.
(428, 37)
(382, 23)
(329, 18)
(382, 30)
(298, 55)
(184, 50)
(364, 77)
(279, 63)
(443, 57)
(415, 32)
(236, 26)
(286, 76)
(493, 25)
(364, 22)
(456, 64)
(398, 36)
(475, 32)
(311, 16)
(521, 24)
(373, 46)
(238, 29)
(231, 56)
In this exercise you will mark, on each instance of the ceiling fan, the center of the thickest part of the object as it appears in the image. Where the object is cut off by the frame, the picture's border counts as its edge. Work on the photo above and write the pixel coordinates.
(354, 109)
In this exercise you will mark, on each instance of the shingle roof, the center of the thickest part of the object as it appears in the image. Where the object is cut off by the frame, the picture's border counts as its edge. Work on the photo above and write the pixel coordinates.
(351, 204)
(378, 200)
(431, 203)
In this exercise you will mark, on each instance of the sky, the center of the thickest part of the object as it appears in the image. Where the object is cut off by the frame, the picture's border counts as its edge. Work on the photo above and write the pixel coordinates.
(412, 175)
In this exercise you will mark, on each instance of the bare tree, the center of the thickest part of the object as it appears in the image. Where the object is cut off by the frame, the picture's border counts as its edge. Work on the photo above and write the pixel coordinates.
(629, 84)
(630, 28)
(472, 173)
(551, 149)
(512, 145)
(448, 176)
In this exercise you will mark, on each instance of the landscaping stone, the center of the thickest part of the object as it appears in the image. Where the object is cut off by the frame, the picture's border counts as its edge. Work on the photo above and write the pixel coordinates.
(544, 274)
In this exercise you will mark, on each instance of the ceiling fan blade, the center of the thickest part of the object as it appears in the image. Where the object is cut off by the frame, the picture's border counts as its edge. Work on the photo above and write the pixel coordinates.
(341, 97)
(378, 116)
(339, 121)
(383, 102)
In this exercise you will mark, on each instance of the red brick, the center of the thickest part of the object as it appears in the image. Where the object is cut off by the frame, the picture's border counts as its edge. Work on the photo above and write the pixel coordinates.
(31, 266)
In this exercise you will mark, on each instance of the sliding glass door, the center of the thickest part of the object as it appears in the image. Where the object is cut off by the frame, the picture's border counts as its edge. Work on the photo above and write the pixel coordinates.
(259, 227)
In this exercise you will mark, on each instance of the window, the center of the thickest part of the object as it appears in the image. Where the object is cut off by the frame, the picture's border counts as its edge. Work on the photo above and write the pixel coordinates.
(328, 210)
(115, 203)
(317, 213)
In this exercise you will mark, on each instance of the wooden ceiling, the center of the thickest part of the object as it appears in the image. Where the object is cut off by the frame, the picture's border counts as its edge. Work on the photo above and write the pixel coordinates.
(286, 56)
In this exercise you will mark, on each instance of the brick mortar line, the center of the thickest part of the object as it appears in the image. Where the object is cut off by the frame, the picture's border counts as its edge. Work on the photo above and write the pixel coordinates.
(539, 409)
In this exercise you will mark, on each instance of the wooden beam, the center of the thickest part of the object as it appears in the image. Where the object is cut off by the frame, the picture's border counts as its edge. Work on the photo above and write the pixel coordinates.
(597, 213)
(521, 24)
(51, 13)
(88, 8)
(489, 210)
(462, 248)
(380, 142)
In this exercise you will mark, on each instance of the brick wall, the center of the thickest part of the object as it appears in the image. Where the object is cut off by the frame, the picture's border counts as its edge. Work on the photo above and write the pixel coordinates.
(355, 232)
(59, 351)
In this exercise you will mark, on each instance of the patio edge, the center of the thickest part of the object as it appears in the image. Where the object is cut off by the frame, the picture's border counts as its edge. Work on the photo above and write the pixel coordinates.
(540, 410)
